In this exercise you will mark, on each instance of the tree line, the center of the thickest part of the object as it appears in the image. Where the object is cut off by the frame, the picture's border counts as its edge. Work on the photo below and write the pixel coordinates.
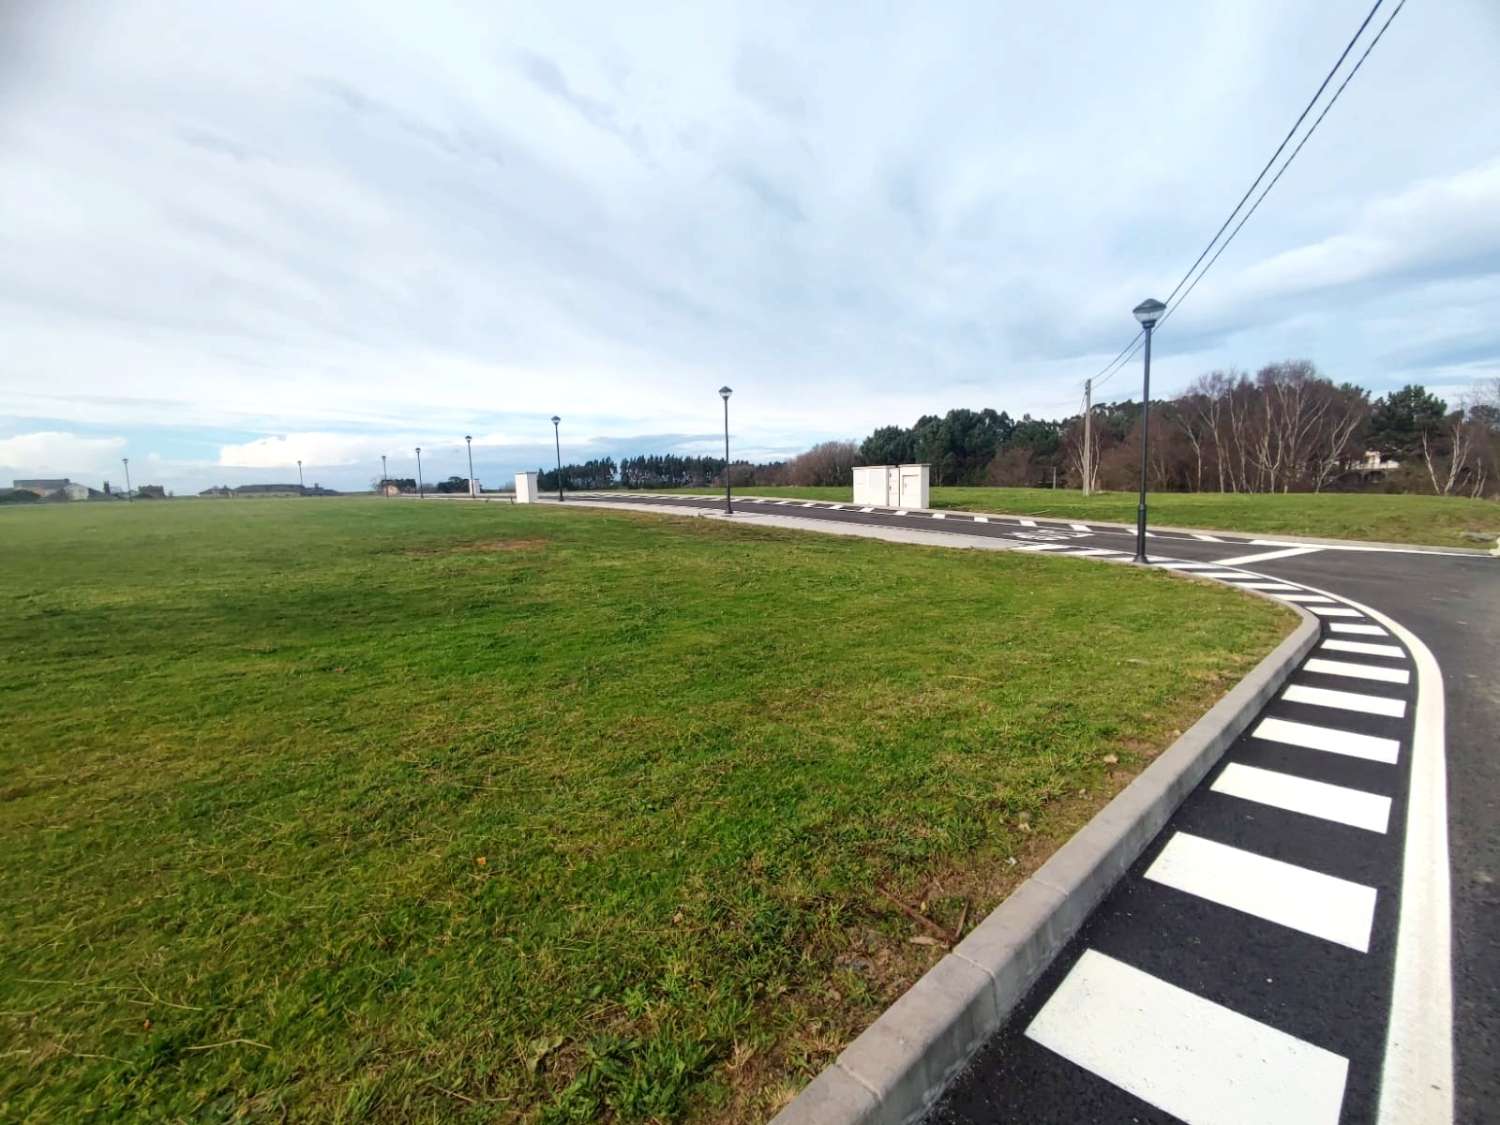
(1287, 428)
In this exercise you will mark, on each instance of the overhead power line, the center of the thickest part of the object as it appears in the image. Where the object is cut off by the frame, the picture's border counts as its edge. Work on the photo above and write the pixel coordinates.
(1306, 136)
(1109, 369)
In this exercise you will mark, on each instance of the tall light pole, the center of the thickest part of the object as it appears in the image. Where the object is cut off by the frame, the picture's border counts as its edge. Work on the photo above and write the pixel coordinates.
(126, 462)
(385, 477)
(1148, 312)
(469, 441)
(419, 472)
(557, 443)
(724, 393)
(300, 483)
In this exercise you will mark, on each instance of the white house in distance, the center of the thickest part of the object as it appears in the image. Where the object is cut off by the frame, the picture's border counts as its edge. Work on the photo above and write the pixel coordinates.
(56, 489)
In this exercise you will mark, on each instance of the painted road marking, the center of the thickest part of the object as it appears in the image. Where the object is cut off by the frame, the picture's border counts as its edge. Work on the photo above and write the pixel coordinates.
(1354, 807)
(1097, 551)
(867, 509)
(1310, 737)
(1362, 630)
(1205, 538)
(809, 505)
(1363, 647)
(837, 507)
(1334, 611)
(1297, 897)
(1345, 700)
(1309, 598)
(1187, 1056)
(1247, 582)
(1027, 523)
(1358, 671)
(1043, 547)
(900, 511)
(981, 519)
(1289, 552)
(938, 516)
(1080, 527)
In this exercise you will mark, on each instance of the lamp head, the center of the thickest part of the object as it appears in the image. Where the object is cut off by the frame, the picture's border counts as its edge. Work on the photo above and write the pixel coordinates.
(555, 419)
(1149, 311)
(724, 393)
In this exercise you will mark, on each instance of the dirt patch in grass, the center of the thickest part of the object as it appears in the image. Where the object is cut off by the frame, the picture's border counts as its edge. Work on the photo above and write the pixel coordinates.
(483, 547)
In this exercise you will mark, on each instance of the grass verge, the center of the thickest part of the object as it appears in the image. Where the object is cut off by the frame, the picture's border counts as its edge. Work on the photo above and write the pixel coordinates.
(1436, 521)
(382, 810)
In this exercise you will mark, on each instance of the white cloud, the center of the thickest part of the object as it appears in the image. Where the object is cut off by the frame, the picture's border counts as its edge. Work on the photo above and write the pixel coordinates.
(316, 222)
(60, 453)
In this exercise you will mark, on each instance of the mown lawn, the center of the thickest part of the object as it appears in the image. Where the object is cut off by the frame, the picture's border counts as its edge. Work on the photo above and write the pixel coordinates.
(387, 810)
(1431, 520)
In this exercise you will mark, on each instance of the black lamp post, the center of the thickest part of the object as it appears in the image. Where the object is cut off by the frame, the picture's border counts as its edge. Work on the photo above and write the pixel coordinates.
(724, 393)
(385, 477)
(301, 486)
(126, 462)
(469, 441)
(419, 473)
(1148, 312)
(557, 443)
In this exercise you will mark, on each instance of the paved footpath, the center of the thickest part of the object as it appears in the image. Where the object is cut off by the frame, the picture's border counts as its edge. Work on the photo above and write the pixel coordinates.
(1315, 935)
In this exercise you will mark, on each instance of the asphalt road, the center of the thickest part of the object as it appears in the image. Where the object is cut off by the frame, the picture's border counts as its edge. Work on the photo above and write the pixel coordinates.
(1207, 937)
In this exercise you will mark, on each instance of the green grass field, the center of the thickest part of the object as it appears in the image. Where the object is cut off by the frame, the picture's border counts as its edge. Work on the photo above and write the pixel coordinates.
(1438, 521)
(386, 810)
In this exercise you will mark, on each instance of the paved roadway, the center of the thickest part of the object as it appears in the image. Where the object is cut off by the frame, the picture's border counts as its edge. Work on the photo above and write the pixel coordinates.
(1248, 967)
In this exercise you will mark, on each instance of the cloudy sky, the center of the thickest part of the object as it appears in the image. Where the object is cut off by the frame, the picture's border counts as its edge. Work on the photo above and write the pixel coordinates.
(238, 234)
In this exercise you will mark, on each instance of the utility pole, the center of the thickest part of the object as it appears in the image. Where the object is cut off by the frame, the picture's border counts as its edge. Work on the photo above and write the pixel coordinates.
(126, 462)
(1088, 436)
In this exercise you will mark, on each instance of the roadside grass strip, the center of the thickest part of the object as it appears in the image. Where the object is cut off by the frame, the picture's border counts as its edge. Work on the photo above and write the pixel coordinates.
(1338, 803)
(1190, 1057)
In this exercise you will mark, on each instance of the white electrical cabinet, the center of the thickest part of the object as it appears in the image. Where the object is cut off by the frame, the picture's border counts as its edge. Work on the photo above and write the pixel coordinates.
(892, 486)
(525, 488)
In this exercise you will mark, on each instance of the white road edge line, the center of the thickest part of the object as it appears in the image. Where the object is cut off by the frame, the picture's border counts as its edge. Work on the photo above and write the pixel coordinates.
(1188, 1056)
(1416, 1081)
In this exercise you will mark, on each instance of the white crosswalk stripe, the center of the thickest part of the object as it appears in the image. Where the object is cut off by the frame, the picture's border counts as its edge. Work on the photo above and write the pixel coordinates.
(1188, 1056)
(1310, 736)
(1358, 671)
(1298, 897)
(1345, 700)
(1303, 795)
(1365, 648)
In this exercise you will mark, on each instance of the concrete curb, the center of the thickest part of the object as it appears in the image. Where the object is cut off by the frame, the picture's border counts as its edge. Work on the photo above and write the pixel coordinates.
(1249, 536)
(893, 1072)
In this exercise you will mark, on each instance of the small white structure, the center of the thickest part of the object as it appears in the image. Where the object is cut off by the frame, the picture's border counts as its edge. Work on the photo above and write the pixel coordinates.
(892, 486)
(525, 488)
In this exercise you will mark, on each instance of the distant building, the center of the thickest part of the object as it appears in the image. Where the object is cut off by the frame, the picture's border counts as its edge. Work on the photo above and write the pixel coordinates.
(42, 487)
(75, 491)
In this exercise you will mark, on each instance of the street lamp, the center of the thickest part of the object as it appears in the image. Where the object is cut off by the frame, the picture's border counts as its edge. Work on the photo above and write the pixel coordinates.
(301, 485)
(724, 393)
(469, 441)
(419, 472)
(1148, 312)
(126, 462)
(385, 477)
(557, 443)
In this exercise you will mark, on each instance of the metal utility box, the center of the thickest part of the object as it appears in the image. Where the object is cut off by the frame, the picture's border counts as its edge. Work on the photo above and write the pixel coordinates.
(892, 486)
(525, 488)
